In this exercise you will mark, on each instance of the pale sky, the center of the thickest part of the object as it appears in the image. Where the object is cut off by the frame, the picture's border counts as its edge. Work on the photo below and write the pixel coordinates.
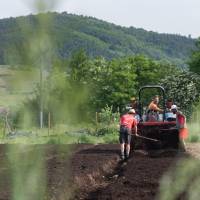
(164, 16)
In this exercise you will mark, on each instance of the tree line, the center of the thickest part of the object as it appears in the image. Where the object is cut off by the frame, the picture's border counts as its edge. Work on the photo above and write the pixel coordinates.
(69, 32)
(78, 87)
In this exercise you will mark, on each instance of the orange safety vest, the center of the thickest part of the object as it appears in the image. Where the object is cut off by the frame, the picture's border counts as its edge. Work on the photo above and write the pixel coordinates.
(181, 125)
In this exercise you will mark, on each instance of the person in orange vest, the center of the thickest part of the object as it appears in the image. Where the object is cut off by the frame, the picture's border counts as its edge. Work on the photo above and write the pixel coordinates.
(154, 110)
(153, 106)
(181, 126)
(128, 126)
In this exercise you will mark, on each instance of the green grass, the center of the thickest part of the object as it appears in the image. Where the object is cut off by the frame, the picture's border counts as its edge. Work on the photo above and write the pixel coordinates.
(194, 138)
(194, 132)
(62, 139)
(59, 135)
(63, 134)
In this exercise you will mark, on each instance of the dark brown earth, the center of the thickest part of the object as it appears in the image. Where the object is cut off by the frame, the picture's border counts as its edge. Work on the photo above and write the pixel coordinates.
(95, 172)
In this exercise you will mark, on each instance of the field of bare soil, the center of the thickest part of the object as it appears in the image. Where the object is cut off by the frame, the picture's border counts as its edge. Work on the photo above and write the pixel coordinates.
(95, 172)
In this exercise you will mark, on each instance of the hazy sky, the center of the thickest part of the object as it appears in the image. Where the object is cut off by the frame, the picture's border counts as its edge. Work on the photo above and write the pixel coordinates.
(169, 16)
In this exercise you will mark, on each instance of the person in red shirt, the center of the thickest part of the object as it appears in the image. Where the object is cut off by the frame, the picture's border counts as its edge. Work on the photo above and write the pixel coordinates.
(128, 125)
(181, 126)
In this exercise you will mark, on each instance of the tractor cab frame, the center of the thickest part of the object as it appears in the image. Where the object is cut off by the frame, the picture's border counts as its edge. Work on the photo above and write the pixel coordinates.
(163, 131)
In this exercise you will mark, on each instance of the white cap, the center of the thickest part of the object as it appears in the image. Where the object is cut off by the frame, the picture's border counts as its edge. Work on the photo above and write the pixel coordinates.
(131, 111)
(174, 107)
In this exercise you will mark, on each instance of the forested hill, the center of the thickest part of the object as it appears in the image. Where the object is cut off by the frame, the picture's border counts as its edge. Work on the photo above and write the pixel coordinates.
(99, 38)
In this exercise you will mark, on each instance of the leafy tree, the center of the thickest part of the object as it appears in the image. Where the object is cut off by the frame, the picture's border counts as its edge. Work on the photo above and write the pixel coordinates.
(84, 85)
(184, 89)
(118, 84)
(194, 63)
(78, 66)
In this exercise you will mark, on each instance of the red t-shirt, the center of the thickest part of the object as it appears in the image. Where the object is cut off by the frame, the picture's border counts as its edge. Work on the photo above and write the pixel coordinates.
(128, 120)
(181, 125)
(181, 121)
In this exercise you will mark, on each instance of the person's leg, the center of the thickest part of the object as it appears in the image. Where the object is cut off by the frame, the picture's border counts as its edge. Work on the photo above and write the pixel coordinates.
(122, 142)
(128, 143)
(183, 133)
(182, 145)
(128, 150)
(122, 145)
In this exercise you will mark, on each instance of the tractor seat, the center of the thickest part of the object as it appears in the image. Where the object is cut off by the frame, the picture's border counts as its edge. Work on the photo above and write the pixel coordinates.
(170, 117)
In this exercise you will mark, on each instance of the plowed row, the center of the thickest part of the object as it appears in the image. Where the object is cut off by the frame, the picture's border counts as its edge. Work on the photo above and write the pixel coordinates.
(95, 172)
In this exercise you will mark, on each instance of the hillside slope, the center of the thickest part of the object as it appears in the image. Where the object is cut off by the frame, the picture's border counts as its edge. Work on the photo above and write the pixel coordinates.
(70, 32)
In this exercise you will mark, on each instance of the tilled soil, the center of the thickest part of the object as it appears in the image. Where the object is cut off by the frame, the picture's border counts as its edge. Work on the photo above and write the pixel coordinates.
(96, 172)
(138, 178)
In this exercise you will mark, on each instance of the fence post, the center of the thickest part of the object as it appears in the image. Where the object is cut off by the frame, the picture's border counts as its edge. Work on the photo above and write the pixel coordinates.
(49, 123)
(4, 129)
(96, 118)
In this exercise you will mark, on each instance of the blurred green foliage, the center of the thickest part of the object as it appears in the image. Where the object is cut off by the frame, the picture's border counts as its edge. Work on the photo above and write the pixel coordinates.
(26, 173)
(181, 181)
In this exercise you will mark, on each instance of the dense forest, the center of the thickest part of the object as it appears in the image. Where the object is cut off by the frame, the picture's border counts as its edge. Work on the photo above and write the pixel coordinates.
(69, 33)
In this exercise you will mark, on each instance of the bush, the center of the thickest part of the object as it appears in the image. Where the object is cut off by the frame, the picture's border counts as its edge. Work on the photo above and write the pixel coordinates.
(101, 131)
(184, 89)
(53, 141)
(106, 116)
(87, 139)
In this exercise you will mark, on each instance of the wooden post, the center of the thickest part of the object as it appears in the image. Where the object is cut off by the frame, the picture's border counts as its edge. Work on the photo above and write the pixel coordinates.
(96, 118)
(49, 123)
(4, 128)
(7, 124)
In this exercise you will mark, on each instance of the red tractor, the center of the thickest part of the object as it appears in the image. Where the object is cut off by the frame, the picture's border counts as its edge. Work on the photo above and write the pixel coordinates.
(160, 133)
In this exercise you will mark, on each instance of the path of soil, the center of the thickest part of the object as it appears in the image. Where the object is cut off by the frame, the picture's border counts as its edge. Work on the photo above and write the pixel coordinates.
(95, 172)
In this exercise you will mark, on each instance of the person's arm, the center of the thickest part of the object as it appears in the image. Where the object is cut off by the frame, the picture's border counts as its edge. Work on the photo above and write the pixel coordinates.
(156, 108)
(159, 110)
(181, 121)
(120, 120)
(134, 129)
